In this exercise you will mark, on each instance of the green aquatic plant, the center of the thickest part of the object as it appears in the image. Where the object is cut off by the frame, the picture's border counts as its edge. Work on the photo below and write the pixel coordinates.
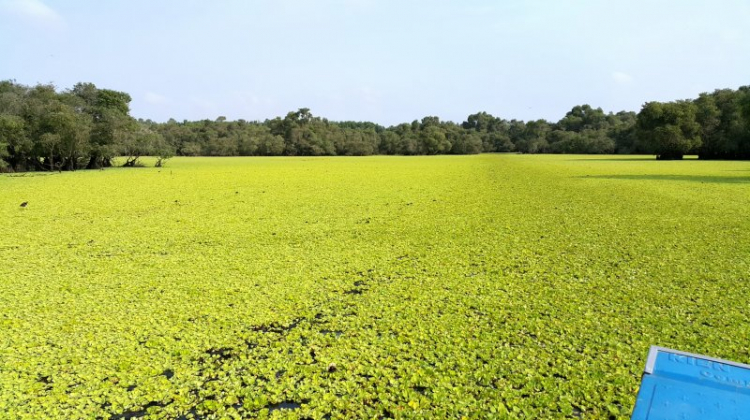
(490, 286)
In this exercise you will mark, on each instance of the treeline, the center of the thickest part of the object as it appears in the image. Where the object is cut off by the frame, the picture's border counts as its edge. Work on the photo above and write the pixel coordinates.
(583, 130)
(86, 127)
(83, 127)
(713, 126)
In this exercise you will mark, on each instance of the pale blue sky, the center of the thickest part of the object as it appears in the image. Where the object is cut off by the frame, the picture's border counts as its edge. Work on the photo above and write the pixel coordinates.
(386, 61)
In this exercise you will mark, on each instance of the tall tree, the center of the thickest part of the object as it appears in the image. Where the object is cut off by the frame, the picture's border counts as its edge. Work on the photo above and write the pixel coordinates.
(111, 121)
(583, 117)
(668, 130)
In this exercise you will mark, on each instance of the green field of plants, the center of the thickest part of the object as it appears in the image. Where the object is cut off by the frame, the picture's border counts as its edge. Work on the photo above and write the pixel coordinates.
(486, 286)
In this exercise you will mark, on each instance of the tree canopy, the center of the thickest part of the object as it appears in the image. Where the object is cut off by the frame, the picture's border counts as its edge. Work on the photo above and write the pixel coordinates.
(86, 127)
(83, 127)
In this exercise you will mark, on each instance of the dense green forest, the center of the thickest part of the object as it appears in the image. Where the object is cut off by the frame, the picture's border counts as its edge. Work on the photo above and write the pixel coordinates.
(42, 128)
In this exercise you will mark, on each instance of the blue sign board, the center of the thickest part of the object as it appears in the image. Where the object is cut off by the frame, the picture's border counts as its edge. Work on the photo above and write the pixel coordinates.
(684, 386)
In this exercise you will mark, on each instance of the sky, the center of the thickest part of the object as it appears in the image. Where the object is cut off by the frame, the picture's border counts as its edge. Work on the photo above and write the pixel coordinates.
(386, 61)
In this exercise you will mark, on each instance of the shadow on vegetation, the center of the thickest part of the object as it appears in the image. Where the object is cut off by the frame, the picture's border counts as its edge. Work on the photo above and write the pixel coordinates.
(638, 159)
(690, 178)
(284, 405)
(27, 174)
(220, 358)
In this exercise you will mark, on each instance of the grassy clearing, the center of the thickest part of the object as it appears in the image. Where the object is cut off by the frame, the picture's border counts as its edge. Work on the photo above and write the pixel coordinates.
(408, 287)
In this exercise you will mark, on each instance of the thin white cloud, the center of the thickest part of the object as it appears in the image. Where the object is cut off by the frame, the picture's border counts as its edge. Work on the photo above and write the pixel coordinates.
(155, 98)
(369, 95)
(33, 11)
(622, 78)
(356, 3)
(203, 108)
(731, 36)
